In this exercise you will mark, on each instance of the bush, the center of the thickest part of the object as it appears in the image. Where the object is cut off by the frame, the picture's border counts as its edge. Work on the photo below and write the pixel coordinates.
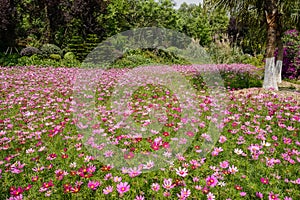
(222, 53)
(138, 57)
(69, 56)
(48, 49)
(29, 51)
(9, 60)
(235, 76)
(253, 60)
(55, 56)
(291, 55)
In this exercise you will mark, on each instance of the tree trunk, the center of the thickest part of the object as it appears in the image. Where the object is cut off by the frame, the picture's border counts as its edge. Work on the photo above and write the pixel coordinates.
(48, 29)
(279, 61)
(271, 11)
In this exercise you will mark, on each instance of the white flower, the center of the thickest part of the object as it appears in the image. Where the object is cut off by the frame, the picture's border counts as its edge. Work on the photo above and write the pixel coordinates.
(266, 144)
(182, 172)
(233, 169)
(238, 151)
(167, 154)
(73, 165)
(29, 151)
(221, 183)
(210, 196)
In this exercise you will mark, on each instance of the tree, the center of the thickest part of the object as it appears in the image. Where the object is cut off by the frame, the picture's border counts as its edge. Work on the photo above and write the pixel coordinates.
(7, 24)
(273, 12)
(202, 22)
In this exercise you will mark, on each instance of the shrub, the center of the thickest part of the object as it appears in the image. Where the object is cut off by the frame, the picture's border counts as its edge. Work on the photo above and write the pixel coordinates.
(291, 55)
(235, 76)
(55, 56)
(138, 57)
(29, 51)
(221, 52)
(48, 49)
(69, 56)
(9, 60)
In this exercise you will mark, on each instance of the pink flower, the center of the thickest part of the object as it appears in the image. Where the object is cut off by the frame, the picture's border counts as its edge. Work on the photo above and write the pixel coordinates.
(211, 181)
(274, 137)
(134, 172)
(93, 185)
(139, 197)
(123, 187)
(264, 180)
(167, 194)
(117, 179)
(273, 196)
(198, 187)
(185, 192)
(243, 194)
(195, 179)
(129, 155)
(224, 164)
(108, 190)
(155, 187)
(259, 195)
(168, 184)
(222, 139)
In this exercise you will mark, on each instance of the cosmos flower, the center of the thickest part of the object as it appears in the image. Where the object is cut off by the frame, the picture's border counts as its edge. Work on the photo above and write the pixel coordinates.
(93, 185)
(108, 190)
(183, 172)
(264, 180)
(123, 187)
(168, 184)
(211, 181)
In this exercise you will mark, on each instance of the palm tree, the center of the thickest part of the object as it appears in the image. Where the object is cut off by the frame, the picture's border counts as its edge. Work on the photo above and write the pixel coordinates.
(273, 11)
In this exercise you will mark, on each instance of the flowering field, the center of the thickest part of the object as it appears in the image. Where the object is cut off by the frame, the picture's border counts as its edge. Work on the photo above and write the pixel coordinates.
(45, 152)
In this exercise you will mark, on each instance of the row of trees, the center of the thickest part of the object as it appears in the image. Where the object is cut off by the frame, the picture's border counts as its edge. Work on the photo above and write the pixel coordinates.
(36, 22)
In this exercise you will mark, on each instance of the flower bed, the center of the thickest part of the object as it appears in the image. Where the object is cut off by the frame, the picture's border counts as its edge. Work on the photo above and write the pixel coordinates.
(45, 152)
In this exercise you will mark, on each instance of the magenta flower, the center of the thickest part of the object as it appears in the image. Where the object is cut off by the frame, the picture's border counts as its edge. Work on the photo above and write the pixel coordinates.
(93, 185)
(129, 155)
(273, 196)
(264, 180)
(259, 195)
(123, 187)
(211, 181)
(16, 191)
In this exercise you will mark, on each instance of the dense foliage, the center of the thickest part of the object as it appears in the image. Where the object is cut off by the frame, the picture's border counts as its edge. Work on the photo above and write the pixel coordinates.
(291, 55)
(34, 23)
